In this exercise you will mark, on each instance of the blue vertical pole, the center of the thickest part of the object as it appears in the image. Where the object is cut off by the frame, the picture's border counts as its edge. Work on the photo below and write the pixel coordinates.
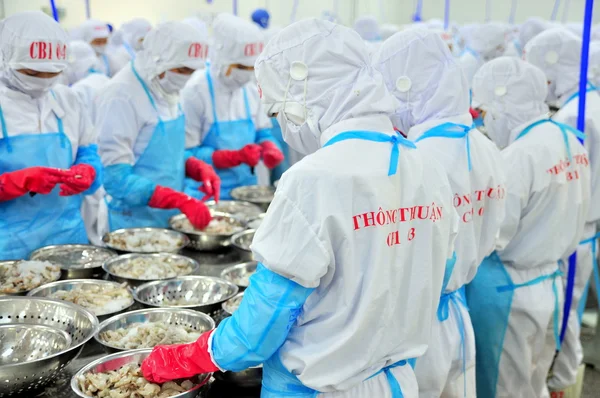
(88, 10)
(54, 10)
(555, 10)
(235, 7)
(447, 15)
(418, 11)
(585, 53)
(513, 12)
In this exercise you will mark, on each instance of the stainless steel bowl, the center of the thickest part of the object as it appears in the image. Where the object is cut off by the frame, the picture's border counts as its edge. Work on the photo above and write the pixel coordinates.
(75, 261)
(118, 360)
(77, 322)
(203, 241)
(171, 316)
(231, 305)
(261, 196)
(25, 343)
(243, 210)
(241, 243)
(24, 292)
(83, 284)
(256, 222)
(249, 378)
(133, 282)
(200, 293)
(179, 239)
(240, 274)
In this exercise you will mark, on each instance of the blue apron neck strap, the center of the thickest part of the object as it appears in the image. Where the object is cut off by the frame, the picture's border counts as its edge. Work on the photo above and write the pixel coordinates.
(590, 87)
(564, 129)
(527, 129)
(106, 64)
(211, 90)
(5, 130)
(373, 136)
(129, 50)
(247, 105)
(135, 72)
(451, 130)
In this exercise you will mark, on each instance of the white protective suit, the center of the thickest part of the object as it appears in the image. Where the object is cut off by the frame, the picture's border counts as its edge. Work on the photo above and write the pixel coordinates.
(530, 29)
(125, 119)
(376, 283)
(82, 60)
(369, 30)
(94, 29)
(235, 41)
(516, 297)
(132, 33)
(388, 30)
(424, 76)
(558, 53)
(483, 43)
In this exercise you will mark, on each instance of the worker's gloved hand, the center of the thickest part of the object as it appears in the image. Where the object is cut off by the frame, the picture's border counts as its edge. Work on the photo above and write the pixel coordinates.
(474, 113)
(195, 210)
(271, 155)
(200, 171)
(40, 180)
(80, 181)
(183, 361)
(250, 155)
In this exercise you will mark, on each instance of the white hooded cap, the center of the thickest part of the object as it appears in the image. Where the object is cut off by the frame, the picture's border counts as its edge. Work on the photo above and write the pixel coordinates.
(557, 52)
(530, 29)
(33, 40)
(422, 74)
(135, 30)
(235, 41)
(94, 29)
(340, 82)
(368, 28)
(512, 92)
(388, 30)
(198, 24)
(488, 40)
(82, 58)
(171, 45)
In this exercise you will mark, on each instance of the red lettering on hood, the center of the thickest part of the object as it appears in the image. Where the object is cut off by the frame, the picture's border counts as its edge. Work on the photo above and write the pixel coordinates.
(42, 50)
(198, 50)
(253, 49)
(260, 91)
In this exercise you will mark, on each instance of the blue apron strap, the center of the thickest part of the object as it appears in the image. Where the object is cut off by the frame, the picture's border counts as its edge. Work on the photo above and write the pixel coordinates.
(106, 64)
(377, 137)
(449, 130)
(129, 50)
(5, 130)
(59, 124)
(527, 129)
(394, 385)
(211, 90)
(144, 87)
(247, 105)
(564, 129)
(590, 88)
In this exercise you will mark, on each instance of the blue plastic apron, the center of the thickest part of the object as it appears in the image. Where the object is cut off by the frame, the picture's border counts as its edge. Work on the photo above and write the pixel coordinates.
(227, 135)
(277, 380)
(30, 222)
(163, 163)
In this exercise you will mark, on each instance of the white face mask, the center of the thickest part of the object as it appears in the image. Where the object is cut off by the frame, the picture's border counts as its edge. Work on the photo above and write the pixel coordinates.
(302, 136)
(31, 85)
(496, 129)
(173, 83)
(99, 48)
(238, 78)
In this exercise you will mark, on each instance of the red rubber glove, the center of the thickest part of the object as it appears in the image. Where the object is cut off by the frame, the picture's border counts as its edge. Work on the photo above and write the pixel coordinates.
(271, 155)
(171, 362)
(194, 209)
(474, 113)
(200, 171)
(82, 179)
(250, 155)
(34, 179)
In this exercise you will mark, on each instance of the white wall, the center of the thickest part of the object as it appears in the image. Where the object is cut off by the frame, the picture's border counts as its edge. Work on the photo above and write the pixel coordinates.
(392, 11)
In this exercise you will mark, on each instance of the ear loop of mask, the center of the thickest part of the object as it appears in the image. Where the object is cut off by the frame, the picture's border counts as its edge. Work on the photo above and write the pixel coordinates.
(305, 91)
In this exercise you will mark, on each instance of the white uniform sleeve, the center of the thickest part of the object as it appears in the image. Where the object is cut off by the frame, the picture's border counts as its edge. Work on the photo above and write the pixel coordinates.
(117, 129)
(303, 258)
(194, 110)
(88, 135)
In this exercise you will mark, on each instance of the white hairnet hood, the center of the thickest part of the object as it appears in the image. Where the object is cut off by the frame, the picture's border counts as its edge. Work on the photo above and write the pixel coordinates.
(82, 58)
(235, 41)
(134, 31)
(512, 92)
(388, 30)
(557, 52)
(368, 28)
(33, 40)
(198, 24)
(94, 29)
(531, 28)
(422, 74)
(340, 82)
(488, 40)
(171, 45)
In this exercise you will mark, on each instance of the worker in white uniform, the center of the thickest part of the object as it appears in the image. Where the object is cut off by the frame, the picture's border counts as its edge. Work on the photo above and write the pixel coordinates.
(422, 74)
(96, 34)
(558, 53)
(387, 30)
(226, 125)
(132, 34)
(48, 152)
(368, 28)
(516, 298)
(483, 43)
(530, 29)
(348, 280)
(141, 130)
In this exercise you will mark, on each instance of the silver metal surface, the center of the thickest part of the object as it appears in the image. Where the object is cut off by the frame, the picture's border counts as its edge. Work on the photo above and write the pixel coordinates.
(249, 378)
(118, 360)
(239, 274)
(231, 305)
(245, 211)
(25, 343)
(203, 241)
(241, 243)
(172, 316)
(23, 292)
(256, 222)
(261, 196)
(83, 284)
(79, 323)
(75, 261)
(108, 239)
(200, 293)
(133, 282)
